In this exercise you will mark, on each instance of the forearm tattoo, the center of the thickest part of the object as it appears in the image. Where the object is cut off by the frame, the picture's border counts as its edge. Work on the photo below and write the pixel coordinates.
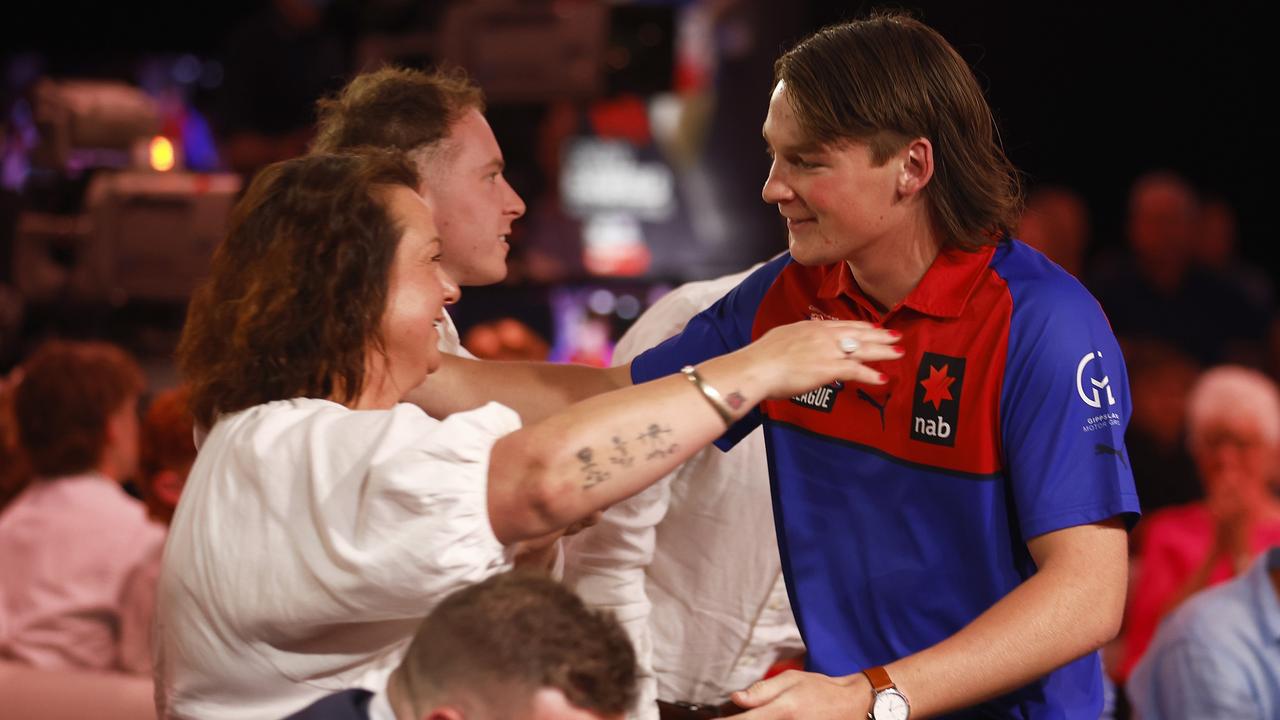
(653, 444)
(656, 442)
(620, 455)
(591, 472)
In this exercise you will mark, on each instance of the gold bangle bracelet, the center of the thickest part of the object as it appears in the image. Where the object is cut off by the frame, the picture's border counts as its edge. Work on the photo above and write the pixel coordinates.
(711, 394)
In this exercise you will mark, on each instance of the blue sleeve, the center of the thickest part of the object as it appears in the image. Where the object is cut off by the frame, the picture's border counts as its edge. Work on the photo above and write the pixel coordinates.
(720, 329)
(1065, 403)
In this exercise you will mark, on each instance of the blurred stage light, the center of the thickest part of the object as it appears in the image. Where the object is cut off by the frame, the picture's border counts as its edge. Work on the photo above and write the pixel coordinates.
(162, 156)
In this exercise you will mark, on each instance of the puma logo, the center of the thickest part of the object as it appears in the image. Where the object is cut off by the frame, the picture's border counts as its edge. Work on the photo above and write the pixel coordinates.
(1100, 449)
(862, 395)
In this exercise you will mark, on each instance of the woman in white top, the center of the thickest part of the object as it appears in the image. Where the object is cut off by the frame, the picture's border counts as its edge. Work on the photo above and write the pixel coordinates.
(324, 518)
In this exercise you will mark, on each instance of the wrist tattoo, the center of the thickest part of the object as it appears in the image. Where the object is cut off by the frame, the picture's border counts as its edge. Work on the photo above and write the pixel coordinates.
(735, 400)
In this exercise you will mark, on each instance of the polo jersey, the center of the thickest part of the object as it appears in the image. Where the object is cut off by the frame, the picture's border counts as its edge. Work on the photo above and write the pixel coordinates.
(903, 510)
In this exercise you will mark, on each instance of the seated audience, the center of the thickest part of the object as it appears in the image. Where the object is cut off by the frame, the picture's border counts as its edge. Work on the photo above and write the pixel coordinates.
(1218, 656)
(1159, 379)
(1233, 417)
(1056, 222)
(516, 646)
(72, 540)
(167, 454)
(168, 451)
(1158, 291)
(324, 518)
(13, 464)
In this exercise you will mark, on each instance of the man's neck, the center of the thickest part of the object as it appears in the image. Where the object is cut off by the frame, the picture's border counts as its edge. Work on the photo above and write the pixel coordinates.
(888, 271)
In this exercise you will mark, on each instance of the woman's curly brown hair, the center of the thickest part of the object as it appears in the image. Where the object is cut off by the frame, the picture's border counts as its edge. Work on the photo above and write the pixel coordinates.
(297, 289)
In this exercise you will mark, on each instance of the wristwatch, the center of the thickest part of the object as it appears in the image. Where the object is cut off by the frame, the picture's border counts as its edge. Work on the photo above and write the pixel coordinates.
(887, 702)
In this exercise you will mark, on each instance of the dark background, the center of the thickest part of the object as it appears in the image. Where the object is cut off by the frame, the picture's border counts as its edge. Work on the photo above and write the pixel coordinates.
(1088, 95)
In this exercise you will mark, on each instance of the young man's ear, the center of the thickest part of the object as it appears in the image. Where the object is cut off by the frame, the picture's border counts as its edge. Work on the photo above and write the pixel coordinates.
(917, 166)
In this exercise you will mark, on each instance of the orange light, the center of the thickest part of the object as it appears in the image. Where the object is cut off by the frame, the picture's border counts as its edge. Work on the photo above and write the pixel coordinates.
(162, 158)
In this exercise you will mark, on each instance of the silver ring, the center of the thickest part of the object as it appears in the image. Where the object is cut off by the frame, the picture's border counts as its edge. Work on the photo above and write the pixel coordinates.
(849, 345)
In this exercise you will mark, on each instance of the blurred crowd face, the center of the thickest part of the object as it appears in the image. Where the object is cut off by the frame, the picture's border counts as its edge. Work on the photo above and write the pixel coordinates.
(1163, 224)
(418, 287)
(473, 203)
(1217, 244)
(1057, 224)
(1159, 396)
(838, 204)
(1234, 457)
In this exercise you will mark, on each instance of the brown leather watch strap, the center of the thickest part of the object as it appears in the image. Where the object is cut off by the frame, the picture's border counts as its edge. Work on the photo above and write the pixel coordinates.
(879, 678)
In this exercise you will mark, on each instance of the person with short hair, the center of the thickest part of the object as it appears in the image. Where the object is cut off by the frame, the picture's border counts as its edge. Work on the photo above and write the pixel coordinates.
(954, 537)
(323, 517)
(516, 646)
(71, 541)
(1233, 433)
(437, 118)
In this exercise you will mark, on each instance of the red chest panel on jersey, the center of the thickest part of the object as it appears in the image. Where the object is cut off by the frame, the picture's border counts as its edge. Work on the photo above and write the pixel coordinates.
(941, 406)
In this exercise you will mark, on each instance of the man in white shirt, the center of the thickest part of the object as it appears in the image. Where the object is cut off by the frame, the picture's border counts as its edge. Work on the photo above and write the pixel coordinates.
(690, 566)
(516, 646)
(438, 119)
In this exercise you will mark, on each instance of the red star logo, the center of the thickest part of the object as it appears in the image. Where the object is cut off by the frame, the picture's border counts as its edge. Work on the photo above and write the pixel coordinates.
(938, 386)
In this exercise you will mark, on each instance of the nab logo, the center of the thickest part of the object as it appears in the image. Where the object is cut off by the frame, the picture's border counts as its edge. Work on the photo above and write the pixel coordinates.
(935, 410)
(821, 399)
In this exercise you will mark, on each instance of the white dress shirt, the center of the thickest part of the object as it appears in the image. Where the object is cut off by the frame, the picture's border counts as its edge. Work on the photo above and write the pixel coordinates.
(449, 341)
(310, 542)
(70, 548)
(690, 566)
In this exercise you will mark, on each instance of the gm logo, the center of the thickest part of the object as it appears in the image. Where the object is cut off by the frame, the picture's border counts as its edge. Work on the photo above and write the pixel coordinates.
(1093, 398)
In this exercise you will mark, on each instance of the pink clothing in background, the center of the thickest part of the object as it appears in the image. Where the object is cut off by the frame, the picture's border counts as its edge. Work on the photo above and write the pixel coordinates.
(72, 551)
(1176, 541)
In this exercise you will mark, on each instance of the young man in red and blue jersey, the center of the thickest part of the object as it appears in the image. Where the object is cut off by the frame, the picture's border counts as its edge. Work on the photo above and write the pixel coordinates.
(954, 538)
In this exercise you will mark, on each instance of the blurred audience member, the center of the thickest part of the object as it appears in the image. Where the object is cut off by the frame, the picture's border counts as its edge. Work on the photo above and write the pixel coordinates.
(71, 542)
(506, 339)
(278, 63)
(1218, 656)
(1233, 422)
(12, 310)
(1056, 222)
(13, 463)
(516, 646)
(1159, 378)
(168, 451)
(1219, 250)
(1158, 292)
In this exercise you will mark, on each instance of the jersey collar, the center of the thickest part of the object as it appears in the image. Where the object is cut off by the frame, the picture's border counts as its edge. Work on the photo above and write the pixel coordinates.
(942, 292)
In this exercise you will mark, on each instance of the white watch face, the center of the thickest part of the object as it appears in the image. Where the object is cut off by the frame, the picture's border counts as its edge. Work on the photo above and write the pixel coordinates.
(890, 705)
